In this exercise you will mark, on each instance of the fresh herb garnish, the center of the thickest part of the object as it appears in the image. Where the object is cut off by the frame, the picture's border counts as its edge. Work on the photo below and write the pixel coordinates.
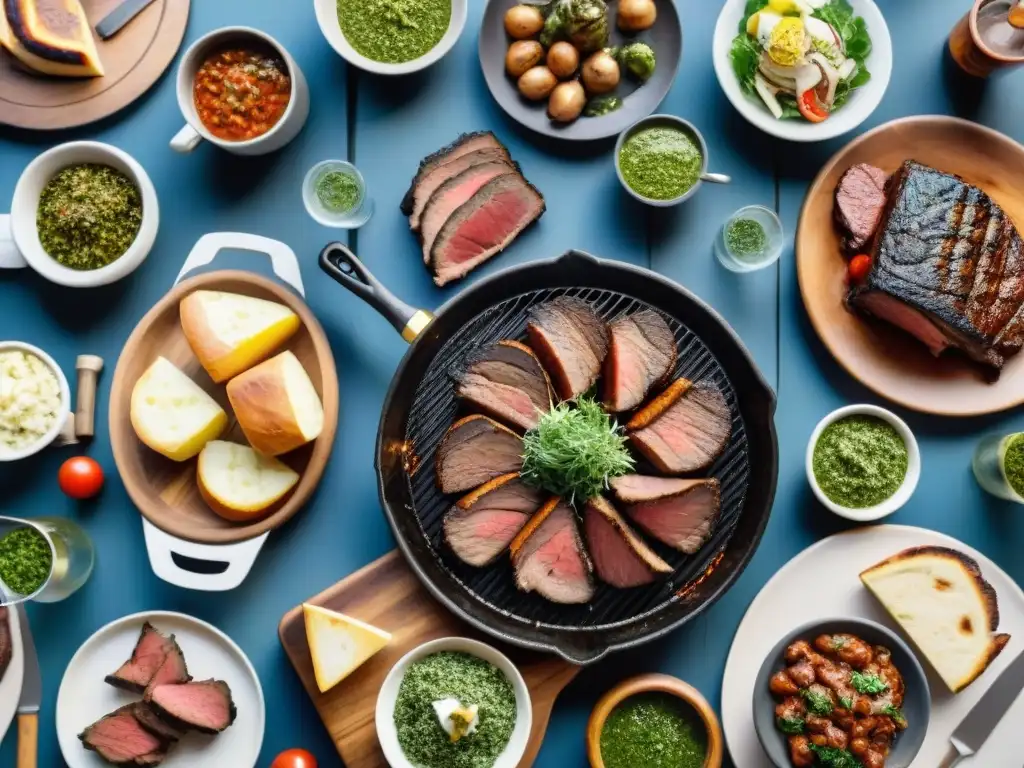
(838, 642)
(831, 757)
(817, 703)
(894, 712)
(869, 684)
(846, 702)
(790, 725)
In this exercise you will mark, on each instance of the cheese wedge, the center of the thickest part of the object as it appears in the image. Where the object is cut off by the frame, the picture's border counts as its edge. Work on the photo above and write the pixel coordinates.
(52, 37)
(240, 484)
(230, 332)
(339, 644)
(172, 414)
(939, 598)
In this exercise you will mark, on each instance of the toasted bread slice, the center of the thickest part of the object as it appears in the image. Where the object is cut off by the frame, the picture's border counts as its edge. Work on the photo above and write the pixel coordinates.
(240, 484)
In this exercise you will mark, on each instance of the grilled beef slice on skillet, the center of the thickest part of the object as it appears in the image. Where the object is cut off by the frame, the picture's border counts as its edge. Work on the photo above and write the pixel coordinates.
(641, 354)
(571, 341)
(549, 558)
(507, 381)
(120, 739)
(678, 512)
(620, 557)
(481, 525)
(6, 643)
(860, 201)
(148, 655)
(474, 451)
(205, 706)
(683, 429)
(173, 669)
(433, 179)
(463, 145)
(948, 268)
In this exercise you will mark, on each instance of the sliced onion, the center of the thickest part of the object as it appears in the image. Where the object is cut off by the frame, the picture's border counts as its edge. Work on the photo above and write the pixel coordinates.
(828, 72)
(767, 92)
(848, 69)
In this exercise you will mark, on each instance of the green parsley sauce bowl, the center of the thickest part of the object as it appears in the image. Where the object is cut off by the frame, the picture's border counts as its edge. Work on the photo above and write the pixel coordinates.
(917, 702)
(910, 480)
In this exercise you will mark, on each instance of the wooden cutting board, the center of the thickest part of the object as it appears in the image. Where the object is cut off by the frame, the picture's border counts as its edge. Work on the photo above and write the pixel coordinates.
(388, 595)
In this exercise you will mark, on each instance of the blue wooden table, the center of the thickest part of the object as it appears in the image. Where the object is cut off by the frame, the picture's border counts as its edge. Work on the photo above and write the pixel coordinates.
(386, 126)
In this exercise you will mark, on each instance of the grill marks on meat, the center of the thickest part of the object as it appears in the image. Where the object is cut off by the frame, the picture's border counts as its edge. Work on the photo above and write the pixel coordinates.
(678, 512)
(571, 341)
(475, 450)
(507, 381)
(465, 144)
(120, 738)
(205, 706)
(549, 558)
(482, 525)
(148, 656)
(621, 558)
(684, 429)
(641, 354)
(433, 180)
(860, 201)
(6, 642)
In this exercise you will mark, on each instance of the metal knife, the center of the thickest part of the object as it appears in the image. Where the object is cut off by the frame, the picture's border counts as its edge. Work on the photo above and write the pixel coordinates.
(31, 697)
(118, 18)
(983, 719)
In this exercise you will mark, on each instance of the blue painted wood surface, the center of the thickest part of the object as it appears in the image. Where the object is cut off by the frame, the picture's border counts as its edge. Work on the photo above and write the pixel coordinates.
(394, 124)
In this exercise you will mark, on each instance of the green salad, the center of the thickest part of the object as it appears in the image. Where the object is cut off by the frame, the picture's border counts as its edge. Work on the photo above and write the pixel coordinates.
(802, 58)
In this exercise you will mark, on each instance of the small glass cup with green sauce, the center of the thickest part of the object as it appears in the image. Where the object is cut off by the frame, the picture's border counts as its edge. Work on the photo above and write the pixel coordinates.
(334, 194)
(998, 466)
(751, 239)
(45, 559)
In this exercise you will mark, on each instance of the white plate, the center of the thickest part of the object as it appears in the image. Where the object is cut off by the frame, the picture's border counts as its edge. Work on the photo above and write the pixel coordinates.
(823, 581)
(10, 685)
(861, 104)
(84, 698)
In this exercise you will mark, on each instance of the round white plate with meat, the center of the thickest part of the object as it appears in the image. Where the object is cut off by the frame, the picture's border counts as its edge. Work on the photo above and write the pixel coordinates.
(823, 581)
(10, 680)
(224, 692)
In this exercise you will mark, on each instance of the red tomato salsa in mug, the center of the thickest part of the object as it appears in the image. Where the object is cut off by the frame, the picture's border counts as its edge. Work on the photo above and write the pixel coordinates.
(241, 93)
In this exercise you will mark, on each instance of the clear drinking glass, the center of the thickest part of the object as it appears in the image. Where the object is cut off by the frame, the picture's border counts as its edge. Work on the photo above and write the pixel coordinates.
(355, 216)
(73, 557)
(989, 466)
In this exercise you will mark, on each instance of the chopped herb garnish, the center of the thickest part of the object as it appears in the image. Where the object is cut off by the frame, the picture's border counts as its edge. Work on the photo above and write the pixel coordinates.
(831, 757)
(846, 702)
(838, 642)
(790, 725)
(894, 712)
(872, 685)
(817, 703)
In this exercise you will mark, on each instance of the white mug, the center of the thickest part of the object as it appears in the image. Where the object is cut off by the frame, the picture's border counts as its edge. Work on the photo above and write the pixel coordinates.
(286, 129)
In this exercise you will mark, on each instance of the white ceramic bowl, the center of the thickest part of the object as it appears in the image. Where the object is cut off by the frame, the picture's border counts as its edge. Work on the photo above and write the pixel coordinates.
(904, 492)
(65, 400)
(327, 17)
(385, 715)
(862, 102)
(25, 206)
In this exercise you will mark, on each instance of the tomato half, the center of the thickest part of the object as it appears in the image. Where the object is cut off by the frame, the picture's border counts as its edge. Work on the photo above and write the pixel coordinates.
(294, 758)
(859, 267)
(80, 477)
(811, 108)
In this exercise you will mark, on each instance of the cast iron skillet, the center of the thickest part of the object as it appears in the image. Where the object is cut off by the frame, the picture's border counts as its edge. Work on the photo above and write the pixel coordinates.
(420, 405)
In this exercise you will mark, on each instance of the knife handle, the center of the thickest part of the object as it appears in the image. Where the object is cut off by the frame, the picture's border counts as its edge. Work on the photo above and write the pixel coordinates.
(28, 740)
(952, 757)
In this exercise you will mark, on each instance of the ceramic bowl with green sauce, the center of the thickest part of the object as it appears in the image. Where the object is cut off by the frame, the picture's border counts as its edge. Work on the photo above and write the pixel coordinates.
(863, 462)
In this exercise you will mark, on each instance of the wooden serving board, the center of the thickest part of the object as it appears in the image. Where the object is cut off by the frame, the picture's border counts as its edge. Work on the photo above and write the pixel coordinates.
(388, 595)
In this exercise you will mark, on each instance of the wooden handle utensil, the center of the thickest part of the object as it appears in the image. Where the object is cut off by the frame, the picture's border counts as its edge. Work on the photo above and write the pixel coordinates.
(88, 367)
(28, 740)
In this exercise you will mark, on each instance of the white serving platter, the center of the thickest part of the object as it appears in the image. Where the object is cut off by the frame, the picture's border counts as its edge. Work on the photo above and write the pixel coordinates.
(10, 685)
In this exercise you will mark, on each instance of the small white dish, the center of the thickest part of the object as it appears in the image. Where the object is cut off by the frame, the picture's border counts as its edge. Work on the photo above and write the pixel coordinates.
(19, 242)
(862, 102)
(385, 713)
(65, 400)
(774, 235)
(351, 219)
(327, 18)
(902, 495)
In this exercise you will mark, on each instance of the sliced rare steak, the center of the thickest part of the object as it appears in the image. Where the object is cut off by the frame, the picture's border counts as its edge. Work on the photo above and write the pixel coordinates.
(482, 524)
(507, 381)
(484, 225)
(474, 451)
(549, 557)
(948, 267)
(6, 643)
(150, 651)
(120, 739)
(151, 721)
(684, 429)
(451, 196)
(571, 341)
(439, 175)
(677, 512)
(205, 706)
(860, 201)
(463, 145)
(641, 355)
(173, 669)
(620, 557)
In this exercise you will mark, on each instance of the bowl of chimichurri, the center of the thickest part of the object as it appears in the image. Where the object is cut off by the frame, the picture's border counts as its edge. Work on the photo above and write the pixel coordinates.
(863, 462)
(655, 721)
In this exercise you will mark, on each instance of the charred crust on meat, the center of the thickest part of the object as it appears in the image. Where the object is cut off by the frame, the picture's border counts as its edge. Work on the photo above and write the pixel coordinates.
(430, 161)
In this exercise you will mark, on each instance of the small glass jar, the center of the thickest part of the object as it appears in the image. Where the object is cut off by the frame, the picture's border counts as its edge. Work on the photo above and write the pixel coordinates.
(989, 465)
(349, 218)
(72, 558)
(745, 261)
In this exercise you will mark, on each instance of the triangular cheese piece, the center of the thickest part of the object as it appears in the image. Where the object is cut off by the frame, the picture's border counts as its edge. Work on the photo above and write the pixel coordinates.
(52, 37)
(339, 644)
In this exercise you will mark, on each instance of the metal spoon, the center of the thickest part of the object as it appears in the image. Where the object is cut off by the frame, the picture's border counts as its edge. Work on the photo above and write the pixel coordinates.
(716, 178)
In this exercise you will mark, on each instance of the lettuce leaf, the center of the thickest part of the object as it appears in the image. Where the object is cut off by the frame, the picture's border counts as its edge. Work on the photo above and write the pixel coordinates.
(857, 41)
(745, 55)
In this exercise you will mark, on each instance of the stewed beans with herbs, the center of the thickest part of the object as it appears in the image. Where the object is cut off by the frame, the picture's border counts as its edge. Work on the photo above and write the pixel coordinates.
(242, 93)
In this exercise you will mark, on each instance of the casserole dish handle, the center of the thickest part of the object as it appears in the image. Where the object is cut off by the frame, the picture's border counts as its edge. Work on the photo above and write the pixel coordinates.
(216, 567)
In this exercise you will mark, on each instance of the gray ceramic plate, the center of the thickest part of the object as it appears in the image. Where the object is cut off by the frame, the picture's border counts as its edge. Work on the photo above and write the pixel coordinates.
(665, 37)
(917, 704)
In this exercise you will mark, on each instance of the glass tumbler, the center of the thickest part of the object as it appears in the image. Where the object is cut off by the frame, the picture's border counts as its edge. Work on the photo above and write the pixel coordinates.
(72, 558)
(990, 468)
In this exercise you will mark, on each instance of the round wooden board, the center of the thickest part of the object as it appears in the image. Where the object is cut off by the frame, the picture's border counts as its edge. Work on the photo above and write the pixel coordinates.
(165, 491)
(134, 59)
(880, 356)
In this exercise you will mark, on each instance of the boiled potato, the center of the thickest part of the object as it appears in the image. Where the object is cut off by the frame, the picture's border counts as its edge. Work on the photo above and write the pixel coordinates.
(563, 60)
(636, 15)
(600, 73)
(537, 83)
(567, 102)
(523, 21)
(522, 55)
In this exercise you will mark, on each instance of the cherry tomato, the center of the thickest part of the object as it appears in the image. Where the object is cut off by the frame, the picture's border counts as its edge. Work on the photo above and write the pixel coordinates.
(811, 108)
(80, 477)
(859, 267)
(294, 758)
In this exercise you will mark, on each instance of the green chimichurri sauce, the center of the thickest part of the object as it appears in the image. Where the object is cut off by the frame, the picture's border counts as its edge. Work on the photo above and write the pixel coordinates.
(653, 730)
(860, 461)
(745, 238)
(660, 163)
(1013, 463)
(338, 191)
(25, 560)
(394, 31)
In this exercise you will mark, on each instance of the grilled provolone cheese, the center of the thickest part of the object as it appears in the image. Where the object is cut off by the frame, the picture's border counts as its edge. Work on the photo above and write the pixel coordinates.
(52, 37)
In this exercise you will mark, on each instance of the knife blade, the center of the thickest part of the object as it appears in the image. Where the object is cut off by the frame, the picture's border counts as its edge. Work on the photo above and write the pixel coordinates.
(118, 18)
(32, 684)
(986, 714)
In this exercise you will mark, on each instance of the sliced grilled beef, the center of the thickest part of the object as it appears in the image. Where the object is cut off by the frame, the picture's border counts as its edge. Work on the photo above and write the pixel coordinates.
(439, 175)
(148, 655)
(620, 557)
(173, 669)
(120, 739)
(549, 557)
(641, 355)
(860, 201)
(483, 226)
(151, 721)
(475, 450)
(948, 267)
(507, 381)
(680, 513)
(571, 341)
(482, 524)
(463, 145)
(684, 429)
(205, 706)
(6, 644)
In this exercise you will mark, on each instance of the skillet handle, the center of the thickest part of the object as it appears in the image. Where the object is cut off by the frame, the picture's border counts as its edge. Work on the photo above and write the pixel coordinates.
(338, 261)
